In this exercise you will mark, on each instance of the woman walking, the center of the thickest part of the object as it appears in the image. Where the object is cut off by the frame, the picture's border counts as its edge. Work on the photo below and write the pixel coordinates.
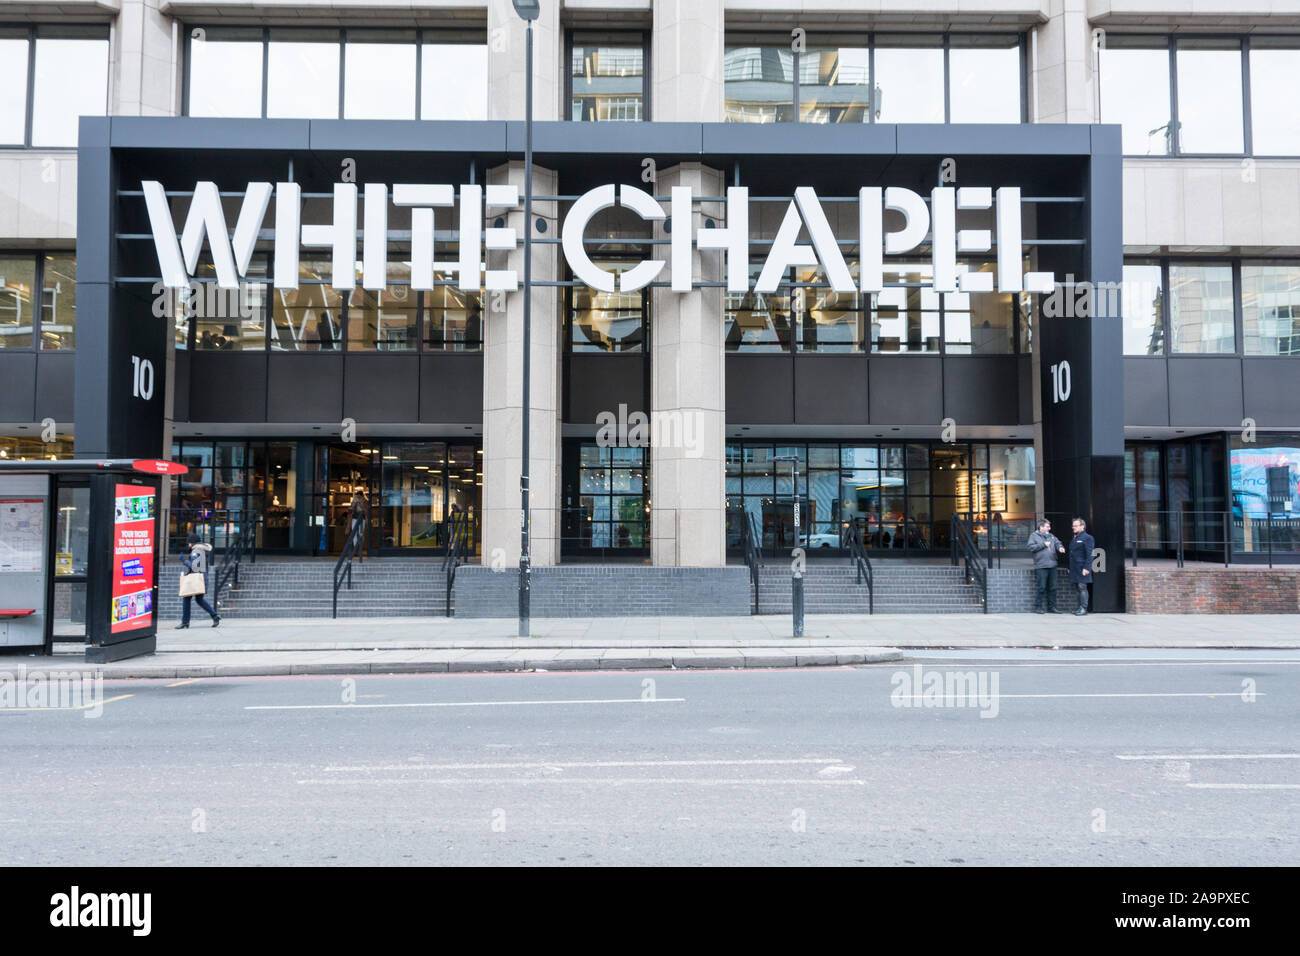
(196, 562)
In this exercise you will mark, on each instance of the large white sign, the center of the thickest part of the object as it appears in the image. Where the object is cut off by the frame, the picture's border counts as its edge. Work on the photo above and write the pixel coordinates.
(937, 221)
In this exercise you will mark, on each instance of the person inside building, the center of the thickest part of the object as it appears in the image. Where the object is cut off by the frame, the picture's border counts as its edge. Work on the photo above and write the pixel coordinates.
(1045, 548)
(1081, 547)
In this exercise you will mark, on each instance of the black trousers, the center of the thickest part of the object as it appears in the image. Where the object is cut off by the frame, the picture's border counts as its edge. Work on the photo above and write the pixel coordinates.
(1083, 596)
(1046, 596)
(203, 603)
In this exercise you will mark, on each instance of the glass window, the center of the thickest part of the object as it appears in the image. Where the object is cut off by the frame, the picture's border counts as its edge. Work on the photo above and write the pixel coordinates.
(229, 320)
(453, 320)
(1266, 493)
(71, 81)
(984, 79)
(1143, 306)
(379, 74)
(225, 71)
(1209, 96)
(453, 79)
(759, 80)
(17, 301)
(607, 321)
(607, 73)
(303, 74)
(979, 324)
(906, 314)
(1137, 63)
(14, 45)
(309, 318)
(1270, 308)
(1201, 315)
(1274, 107)
(757, 322)
(384, 319)
(832, 321)
(834, 83)
(59, 303)
(909, 78)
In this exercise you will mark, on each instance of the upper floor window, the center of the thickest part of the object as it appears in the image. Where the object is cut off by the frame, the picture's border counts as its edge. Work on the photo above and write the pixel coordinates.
(48, 316)
(874, 78)
(317, 73)
(49, 77)
(607, 76)
(1202, 96)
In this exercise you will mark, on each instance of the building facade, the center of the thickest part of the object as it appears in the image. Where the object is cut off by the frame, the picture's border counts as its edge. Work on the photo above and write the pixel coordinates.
(1149, 386)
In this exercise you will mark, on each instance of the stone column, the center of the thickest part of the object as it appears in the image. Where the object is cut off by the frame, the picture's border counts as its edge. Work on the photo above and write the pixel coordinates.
(686, 61)
(1061, 67)
(146, 72)
(506, 58)
(687, 398)
(503, 344)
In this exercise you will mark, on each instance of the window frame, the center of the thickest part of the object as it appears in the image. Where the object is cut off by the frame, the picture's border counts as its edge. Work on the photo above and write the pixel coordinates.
(568, 70)
(1176, 151)
(29, 99)
(782, 39)
(38, 299)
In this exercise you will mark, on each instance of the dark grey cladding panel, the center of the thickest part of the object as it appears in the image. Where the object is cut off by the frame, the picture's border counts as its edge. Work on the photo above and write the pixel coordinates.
(188, 132)
(1270, 387)
(408, 136)
(1146, 392)
(799, 139)
(981, 389)
(760, 389)
(227, 386)
(639, 139)
(1205, 391)
(1026, 374)
(830, 389)
(181, 396)
(382, 388)
(906, 390)
(599, 383)
(55, 377)
(994, 139)
(17, 386)
(304, 388)
(451, 387)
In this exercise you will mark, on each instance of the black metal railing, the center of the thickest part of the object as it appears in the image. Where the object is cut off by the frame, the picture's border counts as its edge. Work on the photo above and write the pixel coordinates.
(242, 544)
(1229, 536)
(218, 527)
(459, 530)
(853, 534)
(749, 540)
(964, 551)
(343, 566)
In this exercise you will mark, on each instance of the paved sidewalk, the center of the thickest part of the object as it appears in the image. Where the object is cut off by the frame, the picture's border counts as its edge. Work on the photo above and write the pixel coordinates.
(417, 645)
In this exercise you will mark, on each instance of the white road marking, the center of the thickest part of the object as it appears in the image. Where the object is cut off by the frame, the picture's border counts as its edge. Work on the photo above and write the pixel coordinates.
(1244, 786)
(586, 764)
(1000, 696)
(469, 703)
(612, 781)
(1208, 756)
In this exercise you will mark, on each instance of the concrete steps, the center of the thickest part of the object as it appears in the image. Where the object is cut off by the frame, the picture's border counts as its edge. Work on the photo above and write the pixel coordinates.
(905, 589)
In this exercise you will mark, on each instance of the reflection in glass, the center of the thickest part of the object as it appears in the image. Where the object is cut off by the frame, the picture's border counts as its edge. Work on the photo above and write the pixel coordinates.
(1138, 63)
(834, 84)
(59, 303)
(906, 315)
(1209, 96)
(759, 83)
(607, 76)
(228, 320)
(453, 320)
(1143, 305)
(981, 323)
(13, 86)
(1274, 106)
(302, 80)
(71, 82)
(226, 72)
(607, 321)
(1270, 308)
(384, 319)
(17, 306)
(1200, 312)
(310, 317)
(757, 322)
(909, 77)
(984, 79)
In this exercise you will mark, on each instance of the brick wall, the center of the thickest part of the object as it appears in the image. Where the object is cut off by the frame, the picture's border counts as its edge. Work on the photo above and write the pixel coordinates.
(1013, 591)
(1208, 590)
(605, 591)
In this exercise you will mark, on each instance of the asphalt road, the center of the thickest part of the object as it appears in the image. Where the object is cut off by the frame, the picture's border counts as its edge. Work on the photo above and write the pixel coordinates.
(1085, 758)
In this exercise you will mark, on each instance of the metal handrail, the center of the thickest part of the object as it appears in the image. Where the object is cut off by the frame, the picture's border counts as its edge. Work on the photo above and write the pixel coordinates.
(861, 560)
(343, 566)
(245, 543)
(1203, 532)
(457, 545)
(753, 554)
(964, 548)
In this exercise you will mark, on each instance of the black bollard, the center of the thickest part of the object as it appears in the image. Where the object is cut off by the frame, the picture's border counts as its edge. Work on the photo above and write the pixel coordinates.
(796, 595)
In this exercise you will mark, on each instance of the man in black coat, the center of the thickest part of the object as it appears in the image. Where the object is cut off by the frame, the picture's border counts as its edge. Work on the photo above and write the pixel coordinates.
(1081, 548)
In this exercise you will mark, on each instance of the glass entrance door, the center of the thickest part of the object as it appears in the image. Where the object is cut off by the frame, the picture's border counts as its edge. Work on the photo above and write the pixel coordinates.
(342, 471)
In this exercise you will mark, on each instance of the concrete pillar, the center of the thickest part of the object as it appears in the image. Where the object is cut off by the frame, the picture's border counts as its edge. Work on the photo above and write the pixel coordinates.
(687, 398)
(506, 62)
(686, 61)
(146, 72)
(1061, 66)
(503, 344)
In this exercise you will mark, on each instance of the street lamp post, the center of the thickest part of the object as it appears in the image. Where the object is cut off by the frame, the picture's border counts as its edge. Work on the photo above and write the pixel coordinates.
(528, 10)
(796, 574)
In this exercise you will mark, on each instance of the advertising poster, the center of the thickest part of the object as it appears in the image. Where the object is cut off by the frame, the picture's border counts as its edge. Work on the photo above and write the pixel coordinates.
(133, 543)
(22, 535)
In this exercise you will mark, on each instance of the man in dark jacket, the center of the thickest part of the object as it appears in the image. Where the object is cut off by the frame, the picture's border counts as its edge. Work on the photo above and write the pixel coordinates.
(1081, 547)
(1045, 547)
